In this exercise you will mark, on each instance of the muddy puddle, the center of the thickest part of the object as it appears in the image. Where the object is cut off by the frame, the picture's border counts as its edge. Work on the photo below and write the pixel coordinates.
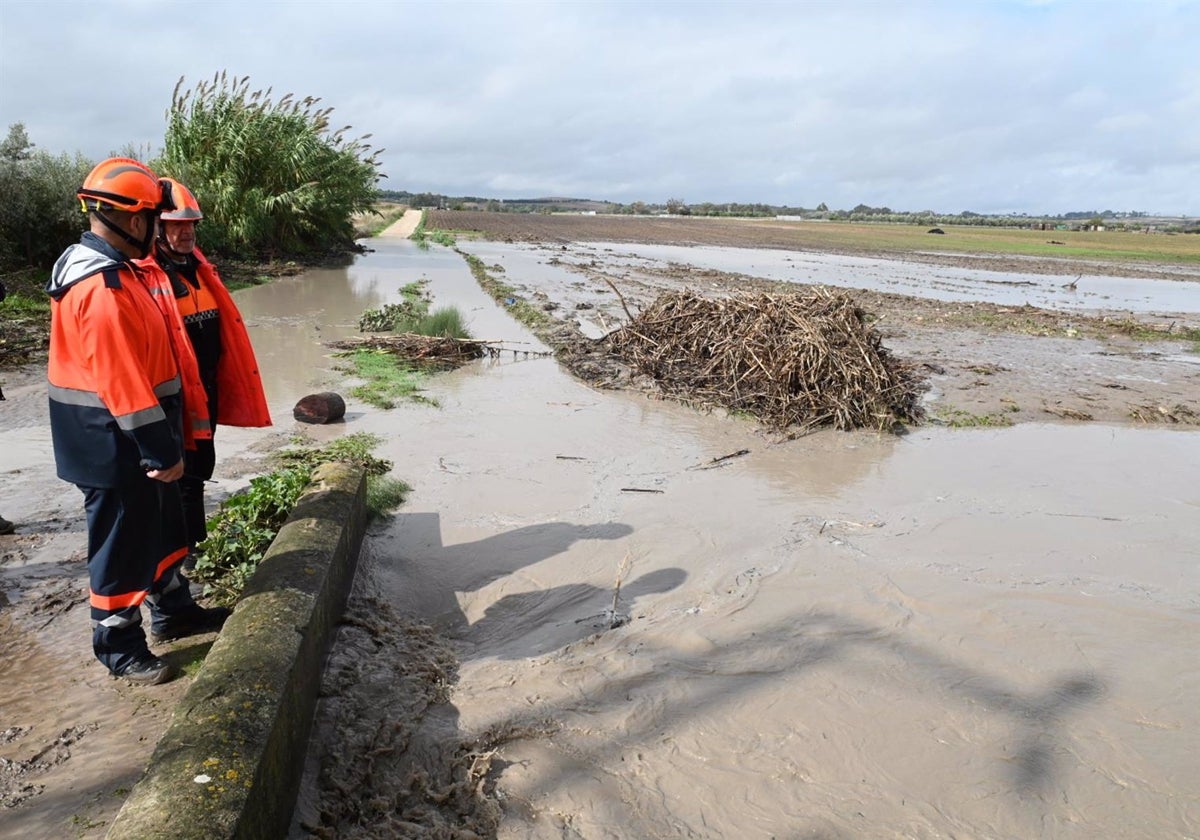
(601, 615)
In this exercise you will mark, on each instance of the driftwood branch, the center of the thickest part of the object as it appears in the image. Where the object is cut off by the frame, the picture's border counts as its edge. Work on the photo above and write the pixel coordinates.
(620, 297)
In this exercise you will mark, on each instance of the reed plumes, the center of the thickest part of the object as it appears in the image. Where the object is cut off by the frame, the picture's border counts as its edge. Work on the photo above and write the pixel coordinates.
(272, 177)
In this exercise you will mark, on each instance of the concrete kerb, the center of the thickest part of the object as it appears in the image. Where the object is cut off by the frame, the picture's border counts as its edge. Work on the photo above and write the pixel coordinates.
(229, 764)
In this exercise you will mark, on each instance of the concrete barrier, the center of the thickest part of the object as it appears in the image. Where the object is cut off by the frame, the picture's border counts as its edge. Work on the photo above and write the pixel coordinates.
(229, 764)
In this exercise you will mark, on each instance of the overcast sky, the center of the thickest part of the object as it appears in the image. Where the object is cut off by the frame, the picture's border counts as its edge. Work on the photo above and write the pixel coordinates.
(1038, 106)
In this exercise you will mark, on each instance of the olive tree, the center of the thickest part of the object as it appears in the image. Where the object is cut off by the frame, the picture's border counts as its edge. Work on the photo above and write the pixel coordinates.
(40, 214)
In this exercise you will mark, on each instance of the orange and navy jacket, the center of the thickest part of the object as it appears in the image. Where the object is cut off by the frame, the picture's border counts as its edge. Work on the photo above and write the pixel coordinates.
(243, 401)
(115, 393)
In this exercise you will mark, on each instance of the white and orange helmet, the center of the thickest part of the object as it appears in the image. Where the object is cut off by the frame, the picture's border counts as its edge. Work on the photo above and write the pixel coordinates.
(187, 209)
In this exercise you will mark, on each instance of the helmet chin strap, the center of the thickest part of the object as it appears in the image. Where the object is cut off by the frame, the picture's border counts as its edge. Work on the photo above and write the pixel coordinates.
(165, 245)
(143, 245)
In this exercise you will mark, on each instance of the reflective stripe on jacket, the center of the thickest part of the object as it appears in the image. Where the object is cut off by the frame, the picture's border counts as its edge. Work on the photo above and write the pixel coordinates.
(115, 393)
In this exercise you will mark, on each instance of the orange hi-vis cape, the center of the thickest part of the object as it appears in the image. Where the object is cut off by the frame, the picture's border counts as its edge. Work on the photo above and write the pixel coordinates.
(243, 401)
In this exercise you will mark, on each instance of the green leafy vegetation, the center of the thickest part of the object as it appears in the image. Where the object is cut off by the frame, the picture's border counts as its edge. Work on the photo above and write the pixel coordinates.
(399, 317)
(271, 175)
(418, 234)
(24, 317)
(389, 377)
(39, 214)
(241, 530)
(442, 237)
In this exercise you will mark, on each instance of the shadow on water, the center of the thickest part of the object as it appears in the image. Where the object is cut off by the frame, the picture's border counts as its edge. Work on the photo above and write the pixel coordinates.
(1039, 720)
(395, 736)
(422, 564)
(502, 630)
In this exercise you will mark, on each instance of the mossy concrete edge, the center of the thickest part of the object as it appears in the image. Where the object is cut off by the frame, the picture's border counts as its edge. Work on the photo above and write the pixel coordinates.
(229, 764)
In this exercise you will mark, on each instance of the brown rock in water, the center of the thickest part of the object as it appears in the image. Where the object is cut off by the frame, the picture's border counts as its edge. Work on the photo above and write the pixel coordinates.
(322, 408)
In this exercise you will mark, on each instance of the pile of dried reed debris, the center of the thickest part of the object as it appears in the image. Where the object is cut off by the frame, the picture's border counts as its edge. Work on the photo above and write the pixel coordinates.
(795, 361)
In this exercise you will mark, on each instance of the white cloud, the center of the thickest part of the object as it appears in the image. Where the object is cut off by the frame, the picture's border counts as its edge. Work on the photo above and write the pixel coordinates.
(989, 106)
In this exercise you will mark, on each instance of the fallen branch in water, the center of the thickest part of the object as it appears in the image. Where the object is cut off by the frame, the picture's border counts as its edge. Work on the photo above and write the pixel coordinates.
(718, 462)
(421, 348)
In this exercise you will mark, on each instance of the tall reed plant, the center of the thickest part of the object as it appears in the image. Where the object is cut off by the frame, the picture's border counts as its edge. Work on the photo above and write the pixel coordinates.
(271, 175)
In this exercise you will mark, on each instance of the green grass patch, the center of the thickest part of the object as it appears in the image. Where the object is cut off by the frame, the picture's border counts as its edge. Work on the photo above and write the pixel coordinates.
(1145, 332)
(443, 237)
(446, 322)
(958, 419)
(423, 236)
(241, 530)
(355, 449)
(387, 376)
(412, 315)
(388, 379)
(21, 306)
(386, 494)
(419, 235)
(248, 282)
(1108, 245)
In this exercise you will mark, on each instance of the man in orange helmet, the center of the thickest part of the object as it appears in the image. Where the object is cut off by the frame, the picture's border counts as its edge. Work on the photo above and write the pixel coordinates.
(116, 422)
(220, 373)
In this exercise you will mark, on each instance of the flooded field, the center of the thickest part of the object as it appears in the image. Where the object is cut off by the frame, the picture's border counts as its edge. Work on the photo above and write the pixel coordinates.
(979, 633)
(588, 621)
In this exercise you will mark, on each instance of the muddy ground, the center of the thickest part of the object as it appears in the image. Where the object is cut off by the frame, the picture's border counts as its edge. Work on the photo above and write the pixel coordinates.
(986, 364)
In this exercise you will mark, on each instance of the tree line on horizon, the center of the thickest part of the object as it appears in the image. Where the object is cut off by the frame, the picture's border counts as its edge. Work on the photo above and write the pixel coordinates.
(860, 213)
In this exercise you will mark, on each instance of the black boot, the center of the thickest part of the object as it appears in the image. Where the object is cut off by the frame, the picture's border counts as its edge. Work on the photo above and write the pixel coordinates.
(146, 669)
(193, 620)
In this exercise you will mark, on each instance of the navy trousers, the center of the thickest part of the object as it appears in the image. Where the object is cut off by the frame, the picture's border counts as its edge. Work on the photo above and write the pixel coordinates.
(136, 544)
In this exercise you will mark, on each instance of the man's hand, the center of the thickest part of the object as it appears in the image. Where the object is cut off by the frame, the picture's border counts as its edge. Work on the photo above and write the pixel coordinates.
(168, 475)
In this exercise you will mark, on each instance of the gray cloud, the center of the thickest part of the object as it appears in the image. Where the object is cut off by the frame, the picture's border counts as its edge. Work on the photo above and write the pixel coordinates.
(993, 106)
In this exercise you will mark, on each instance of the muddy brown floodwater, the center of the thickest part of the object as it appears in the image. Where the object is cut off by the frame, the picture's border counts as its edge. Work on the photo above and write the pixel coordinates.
(587, 622)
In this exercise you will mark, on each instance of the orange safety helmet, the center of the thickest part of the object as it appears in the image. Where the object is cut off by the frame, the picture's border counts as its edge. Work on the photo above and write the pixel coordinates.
(187, 209)
(124, 184)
